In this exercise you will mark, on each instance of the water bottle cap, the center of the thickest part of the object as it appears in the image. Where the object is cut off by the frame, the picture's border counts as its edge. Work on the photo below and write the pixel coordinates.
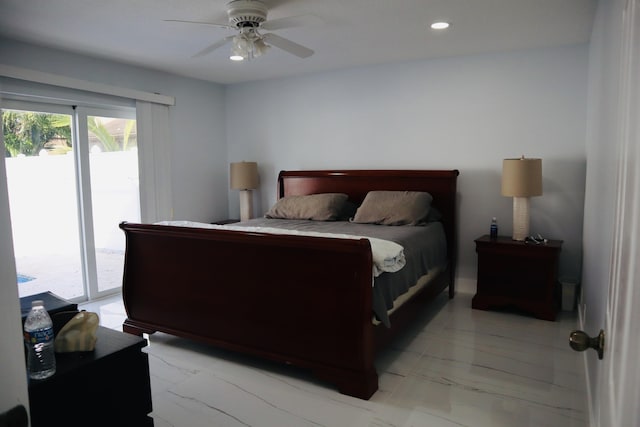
(37, 303)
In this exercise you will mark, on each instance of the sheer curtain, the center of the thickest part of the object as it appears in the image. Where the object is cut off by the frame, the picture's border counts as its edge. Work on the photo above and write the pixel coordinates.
(154, 154)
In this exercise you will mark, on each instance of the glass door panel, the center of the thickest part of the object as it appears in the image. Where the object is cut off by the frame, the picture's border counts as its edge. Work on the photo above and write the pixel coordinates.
(72, 178)
(113, 165)
(41, 179)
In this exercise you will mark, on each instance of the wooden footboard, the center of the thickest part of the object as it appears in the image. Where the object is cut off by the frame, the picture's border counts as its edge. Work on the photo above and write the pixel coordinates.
(294, 299)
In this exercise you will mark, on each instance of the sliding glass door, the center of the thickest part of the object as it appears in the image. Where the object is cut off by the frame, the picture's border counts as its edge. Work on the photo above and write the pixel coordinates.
(41, 179)
(72, 175)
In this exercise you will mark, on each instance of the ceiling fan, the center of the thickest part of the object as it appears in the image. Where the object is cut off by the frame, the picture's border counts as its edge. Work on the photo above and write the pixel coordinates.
(249, 18)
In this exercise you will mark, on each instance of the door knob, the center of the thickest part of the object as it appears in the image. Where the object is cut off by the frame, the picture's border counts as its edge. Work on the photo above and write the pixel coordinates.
(580, 341)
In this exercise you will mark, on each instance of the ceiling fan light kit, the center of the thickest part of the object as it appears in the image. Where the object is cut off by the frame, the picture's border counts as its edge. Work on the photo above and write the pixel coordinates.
(248, 17)
(247, 45)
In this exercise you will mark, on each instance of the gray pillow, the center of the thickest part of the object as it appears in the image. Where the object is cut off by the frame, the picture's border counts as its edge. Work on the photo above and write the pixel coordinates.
(318, 207)
(394, 208)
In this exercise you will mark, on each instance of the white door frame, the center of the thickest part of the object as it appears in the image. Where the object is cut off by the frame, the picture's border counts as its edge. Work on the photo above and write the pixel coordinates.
(85, 207)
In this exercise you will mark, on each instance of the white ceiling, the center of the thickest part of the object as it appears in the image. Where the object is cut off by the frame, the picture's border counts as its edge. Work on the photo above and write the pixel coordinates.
(343, 34)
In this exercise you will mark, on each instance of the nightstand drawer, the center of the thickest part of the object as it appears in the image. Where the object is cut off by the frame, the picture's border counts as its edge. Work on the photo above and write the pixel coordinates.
(513, 276)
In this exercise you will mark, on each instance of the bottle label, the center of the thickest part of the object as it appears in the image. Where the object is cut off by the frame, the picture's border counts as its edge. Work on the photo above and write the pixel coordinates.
(39, 336)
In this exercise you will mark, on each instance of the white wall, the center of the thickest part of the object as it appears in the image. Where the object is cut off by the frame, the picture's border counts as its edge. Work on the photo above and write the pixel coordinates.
(466, 113)
(199, 153)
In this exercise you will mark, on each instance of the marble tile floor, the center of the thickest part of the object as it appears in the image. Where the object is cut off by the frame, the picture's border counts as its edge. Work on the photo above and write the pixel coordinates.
(456, 367)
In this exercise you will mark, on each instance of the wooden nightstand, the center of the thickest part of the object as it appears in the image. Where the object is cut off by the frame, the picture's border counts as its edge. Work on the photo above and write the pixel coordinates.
(108, 386)
(518, 274)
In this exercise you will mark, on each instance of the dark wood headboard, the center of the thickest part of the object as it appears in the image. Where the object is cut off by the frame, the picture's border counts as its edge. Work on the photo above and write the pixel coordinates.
(441, 184)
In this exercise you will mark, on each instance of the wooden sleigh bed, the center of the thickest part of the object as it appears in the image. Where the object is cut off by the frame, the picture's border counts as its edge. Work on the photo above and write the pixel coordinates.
(301, 300)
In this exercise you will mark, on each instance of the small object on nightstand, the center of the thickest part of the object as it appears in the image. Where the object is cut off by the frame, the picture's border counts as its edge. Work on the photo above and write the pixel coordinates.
(78, 334)
(225, 221)
(493, 231)
(537, 239)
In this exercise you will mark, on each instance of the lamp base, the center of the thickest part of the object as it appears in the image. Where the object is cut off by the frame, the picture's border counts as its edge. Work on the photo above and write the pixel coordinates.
(520, 218)
(246, 205)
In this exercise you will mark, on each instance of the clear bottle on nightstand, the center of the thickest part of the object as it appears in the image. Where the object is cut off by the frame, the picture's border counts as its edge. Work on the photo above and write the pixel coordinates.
(38, 336)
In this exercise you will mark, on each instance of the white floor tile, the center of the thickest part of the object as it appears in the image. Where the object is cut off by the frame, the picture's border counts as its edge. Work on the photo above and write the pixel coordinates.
(455, 367)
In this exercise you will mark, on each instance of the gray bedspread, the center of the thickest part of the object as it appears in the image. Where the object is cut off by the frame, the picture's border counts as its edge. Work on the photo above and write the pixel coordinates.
(424, 249)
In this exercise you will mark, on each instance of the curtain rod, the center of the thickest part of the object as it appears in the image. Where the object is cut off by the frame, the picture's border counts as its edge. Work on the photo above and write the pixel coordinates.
(72, 83)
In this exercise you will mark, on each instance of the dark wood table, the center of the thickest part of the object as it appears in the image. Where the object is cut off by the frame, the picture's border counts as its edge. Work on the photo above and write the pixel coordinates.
(109, 386)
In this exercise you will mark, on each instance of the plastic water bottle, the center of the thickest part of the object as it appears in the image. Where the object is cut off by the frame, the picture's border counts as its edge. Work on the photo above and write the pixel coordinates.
(493, 232)
(38, 337)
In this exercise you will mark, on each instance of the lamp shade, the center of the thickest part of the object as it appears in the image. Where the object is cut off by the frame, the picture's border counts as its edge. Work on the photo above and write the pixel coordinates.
(244, 175)
(522, 177)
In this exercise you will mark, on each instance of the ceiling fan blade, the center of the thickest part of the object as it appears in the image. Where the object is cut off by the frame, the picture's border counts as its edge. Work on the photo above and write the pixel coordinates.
(287, 45)
(211, 24)
(213, 47)
(291, 22)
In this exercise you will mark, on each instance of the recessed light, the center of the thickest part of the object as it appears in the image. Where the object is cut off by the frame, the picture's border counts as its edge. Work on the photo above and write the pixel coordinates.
(236, 58)
(440, 25)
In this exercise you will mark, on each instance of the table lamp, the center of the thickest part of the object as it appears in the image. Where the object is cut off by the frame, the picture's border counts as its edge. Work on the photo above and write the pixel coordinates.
(521, 179)
(244, 177)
